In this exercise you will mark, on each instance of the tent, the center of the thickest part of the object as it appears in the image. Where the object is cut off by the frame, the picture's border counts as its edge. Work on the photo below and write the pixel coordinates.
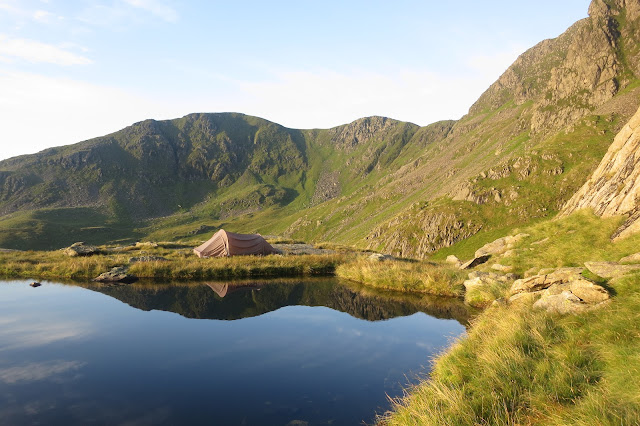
(224, 244)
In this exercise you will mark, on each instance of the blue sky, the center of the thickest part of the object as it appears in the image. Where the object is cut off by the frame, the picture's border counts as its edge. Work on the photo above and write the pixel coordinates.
(75, 69)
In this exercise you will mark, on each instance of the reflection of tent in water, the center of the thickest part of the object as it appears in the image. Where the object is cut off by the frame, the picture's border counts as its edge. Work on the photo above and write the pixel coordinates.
(224, 244)
(222, 289)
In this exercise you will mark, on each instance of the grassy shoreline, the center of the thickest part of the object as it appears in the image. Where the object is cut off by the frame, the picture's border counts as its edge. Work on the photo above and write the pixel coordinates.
(178, 266)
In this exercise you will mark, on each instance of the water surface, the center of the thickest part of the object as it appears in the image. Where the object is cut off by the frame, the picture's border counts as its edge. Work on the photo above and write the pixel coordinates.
(289, 352)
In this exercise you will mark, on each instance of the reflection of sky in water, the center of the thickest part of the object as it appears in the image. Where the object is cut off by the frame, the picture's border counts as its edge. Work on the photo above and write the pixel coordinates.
(73, 356)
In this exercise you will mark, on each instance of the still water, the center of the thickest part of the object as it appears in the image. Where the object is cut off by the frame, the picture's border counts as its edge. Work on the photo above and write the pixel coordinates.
(283, 353)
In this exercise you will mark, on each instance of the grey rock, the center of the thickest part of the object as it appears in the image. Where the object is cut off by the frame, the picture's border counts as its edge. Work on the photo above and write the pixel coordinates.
(80, 249)
(564, 302)
(588, 292)
(452, 259)
(379, 257)
(117, 274)
(148, 259)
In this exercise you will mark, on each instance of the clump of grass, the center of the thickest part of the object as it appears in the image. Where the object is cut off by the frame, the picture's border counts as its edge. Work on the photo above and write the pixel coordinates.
(519, 366)
(420, 277)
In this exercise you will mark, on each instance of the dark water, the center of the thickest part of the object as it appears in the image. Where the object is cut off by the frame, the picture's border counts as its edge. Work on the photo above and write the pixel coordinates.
(294, 352)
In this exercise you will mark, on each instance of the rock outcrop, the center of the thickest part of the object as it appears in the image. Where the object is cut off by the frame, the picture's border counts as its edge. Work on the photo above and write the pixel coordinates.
(562, 291)
(614, 188)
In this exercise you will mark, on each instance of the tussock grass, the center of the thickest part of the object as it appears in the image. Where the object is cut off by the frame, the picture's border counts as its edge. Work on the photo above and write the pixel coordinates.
(420, 277)
(519, 366)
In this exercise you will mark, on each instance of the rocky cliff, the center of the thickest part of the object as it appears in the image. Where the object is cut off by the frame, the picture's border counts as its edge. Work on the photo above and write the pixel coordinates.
(614, 187)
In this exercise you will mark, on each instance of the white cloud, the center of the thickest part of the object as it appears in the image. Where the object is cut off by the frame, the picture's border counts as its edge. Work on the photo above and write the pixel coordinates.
(38, 52)
(42, 16)
(156, 8)
(37, 371)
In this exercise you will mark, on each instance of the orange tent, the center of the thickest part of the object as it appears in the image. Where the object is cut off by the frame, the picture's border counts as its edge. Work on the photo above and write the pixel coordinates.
(224, 244)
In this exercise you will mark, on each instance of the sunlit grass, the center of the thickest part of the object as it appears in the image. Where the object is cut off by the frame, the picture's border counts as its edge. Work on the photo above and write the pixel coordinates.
(421, 277)
(519, 366)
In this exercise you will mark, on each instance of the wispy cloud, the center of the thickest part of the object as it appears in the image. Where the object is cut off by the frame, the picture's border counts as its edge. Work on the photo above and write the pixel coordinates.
(37, 371)
(37, 52)
(156, 8)
(16, 334)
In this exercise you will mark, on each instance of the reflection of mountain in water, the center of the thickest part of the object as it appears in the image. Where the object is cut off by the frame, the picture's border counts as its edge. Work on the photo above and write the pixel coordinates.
(235, 300)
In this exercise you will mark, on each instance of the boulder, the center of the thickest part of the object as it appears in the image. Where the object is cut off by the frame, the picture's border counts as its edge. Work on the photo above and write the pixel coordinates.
(379, 257)
(500, 245)
(632, 258)
(80, 249)
(475, 262)
(610, 269)
(148, 259)
(117, 274)
(452, 259)
(588, 292)
(564, 302)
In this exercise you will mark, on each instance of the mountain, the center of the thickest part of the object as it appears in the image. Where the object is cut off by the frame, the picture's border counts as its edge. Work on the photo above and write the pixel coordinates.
(525, 147)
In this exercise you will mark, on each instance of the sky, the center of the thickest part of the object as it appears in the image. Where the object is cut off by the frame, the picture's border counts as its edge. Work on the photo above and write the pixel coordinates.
(71, 70)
